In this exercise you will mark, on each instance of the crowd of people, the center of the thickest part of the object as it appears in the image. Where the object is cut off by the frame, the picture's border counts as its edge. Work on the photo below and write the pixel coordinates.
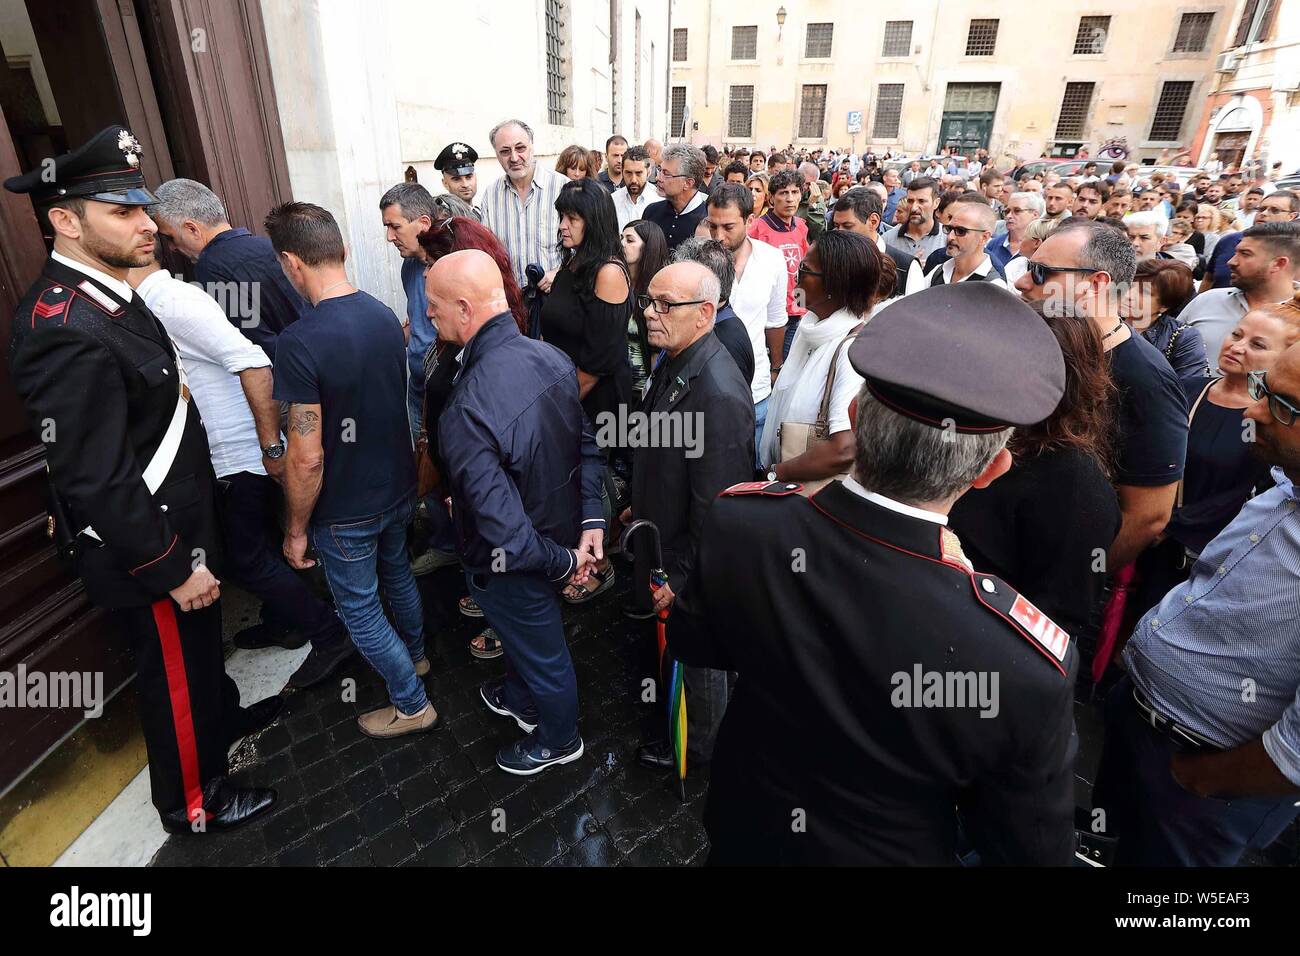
(926, 416)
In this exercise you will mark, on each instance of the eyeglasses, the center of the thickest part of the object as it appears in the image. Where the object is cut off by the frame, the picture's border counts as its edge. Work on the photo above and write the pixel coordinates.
(805, 271)
(663, 174)
(1039, 272)
(961, 232)
(663, 306)
(1281, 409)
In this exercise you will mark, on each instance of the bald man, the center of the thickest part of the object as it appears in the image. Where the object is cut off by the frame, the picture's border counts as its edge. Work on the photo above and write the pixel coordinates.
(524, 473)
(698, 393)
(656, 151)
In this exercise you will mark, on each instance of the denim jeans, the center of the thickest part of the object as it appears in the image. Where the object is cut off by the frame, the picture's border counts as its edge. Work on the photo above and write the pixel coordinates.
(359, 557)
(524, 610)
(791, 327)
(760, 419)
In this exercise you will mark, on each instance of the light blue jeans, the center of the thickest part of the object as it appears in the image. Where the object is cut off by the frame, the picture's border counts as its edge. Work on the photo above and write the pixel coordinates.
(360, 557)
(760, 419)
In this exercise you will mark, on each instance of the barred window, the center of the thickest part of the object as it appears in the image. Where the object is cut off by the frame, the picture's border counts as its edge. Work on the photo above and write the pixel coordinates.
(982, 39)
(1092, 34)
(740, 112)
(677, 118)
(1168, 121)
(1193, 32)
(817, 41)
(889, 111)
(744, 43)
(679, 45)
(812, 111)
(556, 80)
(1075, 106)
(898, 38)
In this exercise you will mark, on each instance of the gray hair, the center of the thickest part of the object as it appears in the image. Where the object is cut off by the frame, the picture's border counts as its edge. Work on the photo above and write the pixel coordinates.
(912, 462)
(181, 199)
(809, 171)
(412, 199)
(690, 158)
(446, 205)
(1033, 200)
(492, 136)
(1107, 250)
(1152, 217)
(1040, 229)
(714, 256)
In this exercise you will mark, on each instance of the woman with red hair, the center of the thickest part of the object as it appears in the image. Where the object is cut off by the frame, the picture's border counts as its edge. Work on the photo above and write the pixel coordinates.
(440, 367)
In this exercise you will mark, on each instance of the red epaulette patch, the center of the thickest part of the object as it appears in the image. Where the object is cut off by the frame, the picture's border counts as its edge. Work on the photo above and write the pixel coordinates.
(1026, 619)
(775, 489)
(51, 304)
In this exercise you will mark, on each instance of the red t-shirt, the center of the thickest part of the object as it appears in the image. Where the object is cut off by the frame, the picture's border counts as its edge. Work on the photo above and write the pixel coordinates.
(792, 240)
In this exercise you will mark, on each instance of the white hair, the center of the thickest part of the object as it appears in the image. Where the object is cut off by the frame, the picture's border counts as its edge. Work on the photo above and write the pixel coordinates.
(1152, 217)
(182, 199)
(1033, 200)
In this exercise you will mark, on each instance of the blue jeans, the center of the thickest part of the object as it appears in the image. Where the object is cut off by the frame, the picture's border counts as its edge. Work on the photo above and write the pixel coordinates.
(524, 610)
(760, 419)
(359, 557)
(791, 327)
(414, 405)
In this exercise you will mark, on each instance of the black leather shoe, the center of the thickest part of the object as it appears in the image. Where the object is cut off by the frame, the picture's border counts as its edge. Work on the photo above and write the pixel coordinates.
(258, 716)
(262, 635)
(318, 666)
(656, 756)
(225, 807)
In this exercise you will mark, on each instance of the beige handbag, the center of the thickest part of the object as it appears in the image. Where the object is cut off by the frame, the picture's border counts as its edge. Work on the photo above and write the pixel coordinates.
(795, 438)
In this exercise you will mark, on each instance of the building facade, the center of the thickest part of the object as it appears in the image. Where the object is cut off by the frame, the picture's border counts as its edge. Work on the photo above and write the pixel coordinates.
(1253, 109)
(1123, 80)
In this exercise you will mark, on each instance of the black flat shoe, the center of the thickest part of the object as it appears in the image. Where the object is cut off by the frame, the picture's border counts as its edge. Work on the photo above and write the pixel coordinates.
(225, 808)
(318, 666)
(262, 635)
(656, 756)
(258, 716)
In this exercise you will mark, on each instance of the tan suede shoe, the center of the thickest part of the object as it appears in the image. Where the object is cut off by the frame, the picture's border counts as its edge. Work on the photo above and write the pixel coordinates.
(422, 667)
(387, 722)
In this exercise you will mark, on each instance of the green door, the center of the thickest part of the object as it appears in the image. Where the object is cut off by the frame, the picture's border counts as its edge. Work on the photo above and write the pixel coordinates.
(968, 112)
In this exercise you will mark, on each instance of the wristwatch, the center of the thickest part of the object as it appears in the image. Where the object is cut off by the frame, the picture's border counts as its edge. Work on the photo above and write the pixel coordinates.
(275, 451)
(771, 474)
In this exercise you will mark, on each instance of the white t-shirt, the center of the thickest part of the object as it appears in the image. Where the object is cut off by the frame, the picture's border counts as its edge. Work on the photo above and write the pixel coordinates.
(213, 353)
(627, 210)
(758, 298)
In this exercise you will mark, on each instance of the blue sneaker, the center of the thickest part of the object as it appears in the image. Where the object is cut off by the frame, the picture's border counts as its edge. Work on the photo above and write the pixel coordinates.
(527, 757)
(494, 696)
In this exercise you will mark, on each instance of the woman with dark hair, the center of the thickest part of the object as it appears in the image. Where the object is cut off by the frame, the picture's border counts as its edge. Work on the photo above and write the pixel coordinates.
(1160, 290)
(575, 162)
(444, 237)
(1043, 525)
(646, 252)
(807, 437)
(1221, 473)
(586, 317)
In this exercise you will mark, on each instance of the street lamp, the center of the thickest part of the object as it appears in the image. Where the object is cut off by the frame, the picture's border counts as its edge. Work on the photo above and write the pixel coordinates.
(780, 29)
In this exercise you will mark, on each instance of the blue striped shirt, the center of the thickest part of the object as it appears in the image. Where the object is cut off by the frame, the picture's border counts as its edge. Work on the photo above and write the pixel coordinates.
(528, 228)
(1221, 653)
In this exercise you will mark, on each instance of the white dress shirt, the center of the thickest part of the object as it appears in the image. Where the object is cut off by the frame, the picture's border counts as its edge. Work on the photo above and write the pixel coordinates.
(626, 209)
(758, 298)
(213, 353)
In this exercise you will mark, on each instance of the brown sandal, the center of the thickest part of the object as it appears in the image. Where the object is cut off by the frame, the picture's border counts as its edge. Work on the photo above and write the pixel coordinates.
(491, 645)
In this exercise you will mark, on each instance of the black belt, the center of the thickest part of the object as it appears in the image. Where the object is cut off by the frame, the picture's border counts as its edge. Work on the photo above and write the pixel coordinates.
(1184, 737)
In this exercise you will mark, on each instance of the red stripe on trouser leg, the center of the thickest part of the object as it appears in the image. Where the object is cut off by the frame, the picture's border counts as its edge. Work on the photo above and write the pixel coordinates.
(178, 689)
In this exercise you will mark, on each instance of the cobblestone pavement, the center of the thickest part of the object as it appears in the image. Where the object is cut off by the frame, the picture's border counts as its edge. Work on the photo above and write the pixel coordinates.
(438, 799)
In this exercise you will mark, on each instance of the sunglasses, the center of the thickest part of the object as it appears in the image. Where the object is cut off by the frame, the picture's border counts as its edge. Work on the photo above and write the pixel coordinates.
(961, 232)
(1281, 409)
(1039, 272)
(663, 306)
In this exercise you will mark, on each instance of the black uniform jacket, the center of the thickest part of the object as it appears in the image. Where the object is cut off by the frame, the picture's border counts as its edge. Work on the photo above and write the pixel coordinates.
(674, 485)
(97, 376)
(835, 610)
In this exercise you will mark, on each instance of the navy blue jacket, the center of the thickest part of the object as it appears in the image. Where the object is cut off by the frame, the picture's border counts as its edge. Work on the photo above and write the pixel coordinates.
(1187, 356)
(522, 462)
(237, 255)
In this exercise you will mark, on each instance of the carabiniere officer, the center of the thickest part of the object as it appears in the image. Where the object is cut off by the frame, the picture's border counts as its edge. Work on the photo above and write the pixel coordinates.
(133, 492)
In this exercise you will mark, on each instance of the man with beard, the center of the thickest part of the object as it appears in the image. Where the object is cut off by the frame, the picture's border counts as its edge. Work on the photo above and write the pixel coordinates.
(134, 496)
(520, 206)
(1194, 771)
(920, 234)
(969, 229)
(631, 199)
(459, 175)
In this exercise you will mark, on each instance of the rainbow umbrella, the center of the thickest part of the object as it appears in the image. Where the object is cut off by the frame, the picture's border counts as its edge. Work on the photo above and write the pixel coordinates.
(676, 699)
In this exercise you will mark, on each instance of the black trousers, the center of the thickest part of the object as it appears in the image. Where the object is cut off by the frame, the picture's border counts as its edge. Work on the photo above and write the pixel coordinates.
(254, 560)
(188, 704)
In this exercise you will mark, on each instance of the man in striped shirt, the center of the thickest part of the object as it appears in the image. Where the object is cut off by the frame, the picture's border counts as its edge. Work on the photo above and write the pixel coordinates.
(520, 206)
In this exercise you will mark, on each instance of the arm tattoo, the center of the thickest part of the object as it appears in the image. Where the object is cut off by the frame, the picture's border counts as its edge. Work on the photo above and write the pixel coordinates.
(304, 422)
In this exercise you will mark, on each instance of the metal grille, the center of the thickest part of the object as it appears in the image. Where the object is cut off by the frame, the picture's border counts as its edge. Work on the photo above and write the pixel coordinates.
(744, 43)
(1193, 32)
(740, 112)
(1075, 106)
(983, 38)
(898, 38)
(1168, 121)
(678, 115)
(679, 45)
(889, 111)
(817, 41)
(1092, 34)
(971, 97)
(812, 111)
(555, 81)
